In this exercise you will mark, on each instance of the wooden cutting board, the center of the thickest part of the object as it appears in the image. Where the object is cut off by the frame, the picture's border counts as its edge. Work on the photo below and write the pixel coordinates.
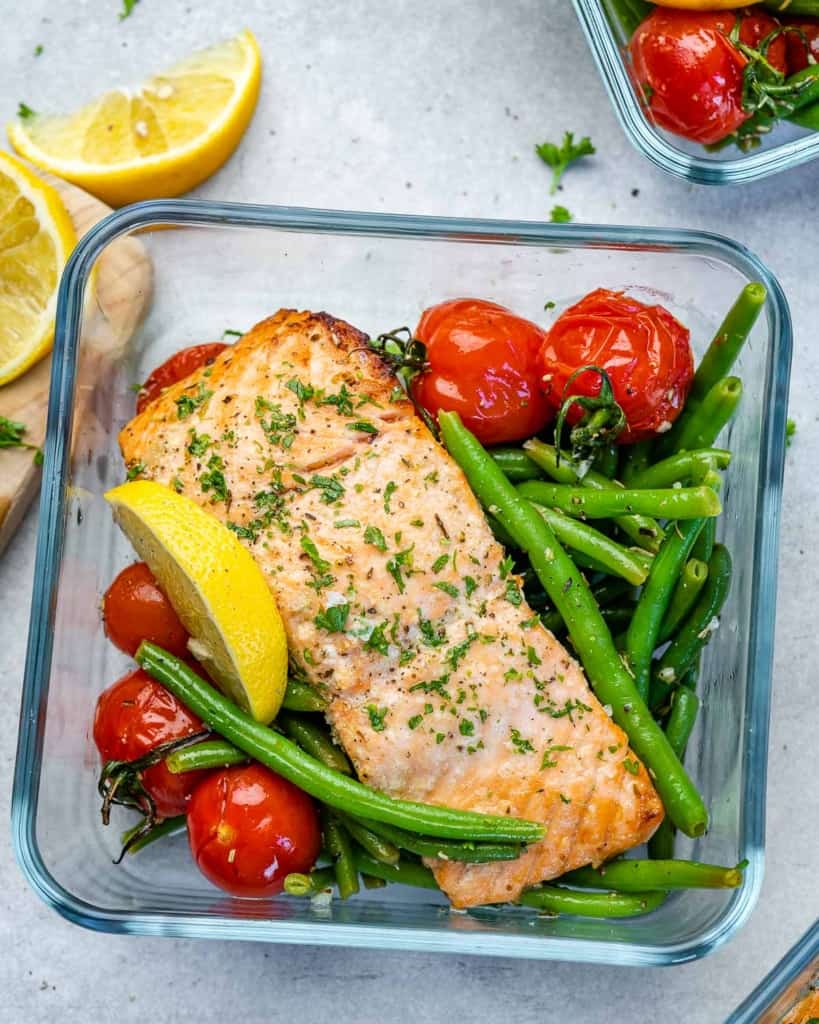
(122, 290)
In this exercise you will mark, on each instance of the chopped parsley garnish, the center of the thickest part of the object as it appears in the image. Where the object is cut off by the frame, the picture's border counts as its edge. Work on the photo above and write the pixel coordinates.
(399, 564)
(177, 485)
(431, 636)
(560, 215)
(565, 799)
(186, 405)
(466, 727)
(279, 427)
(790, 430)
(458, 652)
(415, 721)
(38, 49)
(448, 588)
(389, 490)
(513, 594)
(230, 333)
(332, 490)
(470, 585)
(304, 392)
(24, 111)
(436, 686)
(364, 426)
(214, 480)
(530, 623)
(397, 394)
(532, 656)
(377, 640)
(632, 767)
(341, 524)
(342, 401)
(333, 619)
(377, 716)
(321, 575)
(548, 761)
(134, 471)
(506, 566)
(560, 157)
(439, 563)
(372, 535)
(521, 745)
(199, 443)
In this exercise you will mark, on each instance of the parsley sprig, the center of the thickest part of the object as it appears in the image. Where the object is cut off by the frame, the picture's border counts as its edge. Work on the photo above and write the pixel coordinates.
(559, 158)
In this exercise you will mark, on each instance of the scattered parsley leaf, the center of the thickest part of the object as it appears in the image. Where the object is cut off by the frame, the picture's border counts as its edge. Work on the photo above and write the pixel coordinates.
(458, 652)
(439, 563)
(506, 566)
(470, 585)
(549, 305)
(560, 157)
(11, 433)
(790, 430)
(377, 641)
(199, 443)
(377, 716)
(38, 49)
(560, 215)
(186, 405)
(332, 490)
(389, 490)
(342, 401)
(448, 588)
(333, 619)
(228, 333)
(521, 745)
(430, 636)
(372, 535)
(466, 727)
(415, 721)
(127, 9)
(280, 427)
(513, 594)
(632, 767)
(364, 426)
(214, 480)
(134, 471)
(341, 524)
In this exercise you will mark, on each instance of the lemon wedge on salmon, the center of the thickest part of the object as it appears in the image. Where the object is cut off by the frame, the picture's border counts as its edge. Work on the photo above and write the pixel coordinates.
(160, 139)
(216, 589)
(36, 239)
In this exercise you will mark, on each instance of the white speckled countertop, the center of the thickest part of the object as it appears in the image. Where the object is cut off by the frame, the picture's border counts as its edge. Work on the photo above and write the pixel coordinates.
(424, 107)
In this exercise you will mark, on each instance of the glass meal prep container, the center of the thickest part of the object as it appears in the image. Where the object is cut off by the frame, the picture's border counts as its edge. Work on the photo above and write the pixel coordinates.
(785, 147)
(793, 979)
(218, 267)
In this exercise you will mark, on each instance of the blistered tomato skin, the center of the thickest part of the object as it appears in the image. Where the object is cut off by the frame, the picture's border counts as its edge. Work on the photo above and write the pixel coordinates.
(176, 368)
(135, 715)
(645, 351)
(135, 609)
(248, 828)
(483, 364)
(690, 74)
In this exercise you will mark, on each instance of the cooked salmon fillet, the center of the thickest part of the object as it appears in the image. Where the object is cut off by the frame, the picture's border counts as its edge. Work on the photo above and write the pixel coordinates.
(442, 684)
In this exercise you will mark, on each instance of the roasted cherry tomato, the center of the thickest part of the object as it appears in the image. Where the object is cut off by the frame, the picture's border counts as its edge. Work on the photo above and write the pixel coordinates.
(135, 609)
(482, 365)
(175, 369)
(133, 716)
(802, 40)
(249, 828)
(644, 350)
(689, 73)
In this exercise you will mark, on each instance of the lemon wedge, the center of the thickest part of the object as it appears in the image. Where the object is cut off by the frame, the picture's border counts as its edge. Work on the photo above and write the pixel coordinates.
(216, 589)
(160, 139)
(36, 239)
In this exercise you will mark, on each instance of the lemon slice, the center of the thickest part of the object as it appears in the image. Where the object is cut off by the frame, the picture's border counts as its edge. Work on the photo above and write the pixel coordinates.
(216, 589)
(36, 239)
(160, 139)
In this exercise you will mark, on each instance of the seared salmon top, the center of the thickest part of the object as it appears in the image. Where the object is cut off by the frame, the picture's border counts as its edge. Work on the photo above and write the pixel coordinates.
(398, 603)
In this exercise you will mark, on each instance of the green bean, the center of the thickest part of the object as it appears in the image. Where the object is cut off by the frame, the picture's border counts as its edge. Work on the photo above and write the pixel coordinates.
(801, 8)
(516, 464)
(634, 460)
(644, 629)
(615, 618)
(629, 14)
(671, 503)
(300, 697)
(207, 754)
(468, 853)
(682, 467)
(611, 590)
(369, 840)
(731, 335)
(167, 827)
(704, 547)
(556, 900)
(653, 875)
(315, 741)
(684, 707)
(337, 842)
(319, 879)
(696, 631)
(591, 637)
(606, 461)
(700, 426)
(692, 580)
(644, 531)
(502, 535)
(405, 872)
(371, 882)
(328, 786)
(616, 559)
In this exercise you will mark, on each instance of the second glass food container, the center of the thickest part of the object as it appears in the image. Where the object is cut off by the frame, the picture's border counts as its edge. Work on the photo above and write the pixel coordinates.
(787, 146)
(224, 267)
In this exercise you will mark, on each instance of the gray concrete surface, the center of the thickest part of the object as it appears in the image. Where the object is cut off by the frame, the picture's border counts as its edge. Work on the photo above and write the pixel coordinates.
(427, 106)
